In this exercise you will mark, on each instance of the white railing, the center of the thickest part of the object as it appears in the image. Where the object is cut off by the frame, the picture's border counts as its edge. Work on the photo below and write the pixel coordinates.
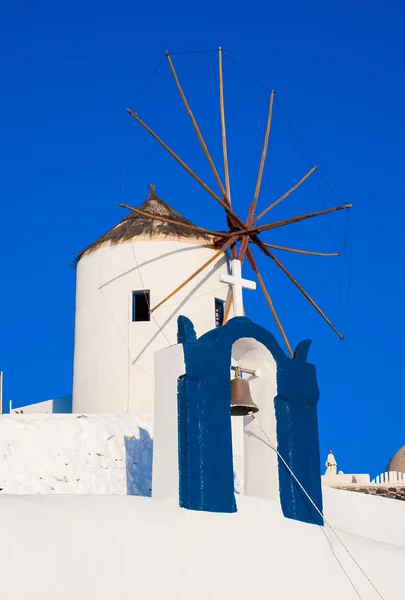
(393, 477)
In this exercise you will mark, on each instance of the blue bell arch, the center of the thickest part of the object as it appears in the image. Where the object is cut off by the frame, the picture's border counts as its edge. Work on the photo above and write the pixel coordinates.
(206, 479)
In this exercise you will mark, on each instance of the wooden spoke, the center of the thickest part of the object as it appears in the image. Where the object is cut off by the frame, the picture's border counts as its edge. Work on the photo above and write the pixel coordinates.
(301, 289)
(223, 203)
(224, 145)
(178, 159)
(206, 264)
(269, 301)
(233, 251)
(301, 251)
(296, 219)
(262, 161)
(197, 129)
(223, 129)
(297, 185)
(228, 307)
(243, 248)
(255, 229)
(185, 225)
(252, 208)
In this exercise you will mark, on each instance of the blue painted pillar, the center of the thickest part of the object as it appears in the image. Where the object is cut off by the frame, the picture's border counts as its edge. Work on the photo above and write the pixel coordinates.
(205, 435)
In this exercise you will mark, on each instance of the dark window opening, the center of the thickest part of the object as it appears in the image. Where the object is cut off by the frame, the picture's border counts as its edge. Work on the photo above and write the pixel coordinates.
(140, 305)
(219, 312)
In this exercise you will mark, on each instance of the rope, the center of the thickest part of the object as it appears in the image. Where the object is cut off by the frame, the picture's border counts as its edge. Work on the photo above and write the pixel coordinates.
(265, 87)
(123, 185)
(247, 73)
(193, 52)
(151, 76)
(343, 304)
(316, 508)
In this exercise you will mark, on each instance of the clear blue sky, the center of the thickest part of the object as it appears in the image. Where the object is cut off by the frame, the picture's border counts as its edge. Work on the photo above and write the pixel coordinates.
(69, 71)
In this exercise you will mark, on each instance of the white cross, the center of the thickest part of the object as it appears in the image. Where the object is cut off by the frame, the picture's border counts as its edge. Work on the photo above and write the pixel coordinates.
(238, 284)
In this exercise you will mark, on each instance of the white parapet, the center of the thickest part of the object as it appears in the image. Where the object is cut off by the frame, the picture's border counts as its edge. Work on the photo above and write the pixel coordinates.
(76, 454)
(344, 479)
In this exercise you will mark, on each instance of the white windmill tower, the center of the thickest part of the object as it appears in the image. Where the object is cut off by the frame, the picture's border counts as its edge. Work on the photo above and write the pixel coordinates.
(123, 312)
(154, 265)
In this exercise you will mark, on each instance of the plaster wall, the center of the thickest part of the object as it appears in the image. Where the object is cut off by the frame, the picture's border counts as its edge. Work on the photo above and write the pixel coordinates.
(113, 356)
(368, 516)
(61, 405)
(169, 366)
(45, 407)
(75, 454)
(344, 479)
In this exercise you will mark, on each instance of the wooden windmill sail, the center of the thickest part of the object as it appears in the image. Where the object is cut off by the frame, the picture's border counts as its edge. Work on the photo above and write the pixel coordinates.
(243, 235)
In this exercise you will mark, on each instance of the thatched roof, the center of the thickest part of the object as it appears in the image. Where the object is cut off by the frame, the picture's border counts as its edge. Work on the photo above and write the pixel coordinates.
(135, 225)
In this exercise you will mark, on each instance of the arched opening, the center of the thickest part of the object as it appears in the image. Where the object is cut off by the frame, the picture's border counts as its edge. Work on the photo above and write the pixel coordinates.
(255, 462)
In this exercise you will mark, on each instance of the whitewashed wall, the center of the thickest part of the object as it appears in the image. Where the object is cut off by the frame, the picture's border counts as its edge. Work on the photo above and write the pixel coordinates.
(113, 359)
(169, 365)
(76, 454)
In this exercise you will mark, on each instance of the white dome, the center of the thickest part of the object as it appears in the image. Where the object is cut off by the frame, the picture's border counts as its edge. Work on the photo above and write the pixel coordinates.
(397, 462)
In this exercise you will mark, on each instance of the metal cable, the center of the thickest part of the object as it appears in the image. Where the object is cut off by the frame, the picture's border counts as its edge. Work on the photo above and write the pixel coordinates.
(151, 76)
(193, 52)
(272, 446)
(123, 186)
(286, 120)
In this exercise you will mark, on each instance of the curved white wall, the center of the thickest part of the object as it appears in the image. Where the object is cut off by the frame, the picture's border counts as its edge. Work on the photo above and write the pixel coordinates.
(114, 357)
(258, 456)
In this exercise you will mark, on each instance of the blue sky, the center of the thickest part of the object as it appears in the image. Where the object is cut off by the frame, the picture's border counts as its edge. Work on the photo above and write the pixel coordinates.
(68, 73)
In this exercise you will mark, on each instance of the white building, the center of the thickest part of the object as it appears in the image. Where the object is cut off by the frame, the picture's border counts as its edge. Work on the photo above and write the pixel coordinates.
(133, 266)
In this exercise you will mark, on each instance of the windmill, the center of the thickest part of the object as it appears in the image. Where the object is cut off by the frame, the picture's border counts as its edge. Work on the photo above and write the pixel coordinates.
(243, 234)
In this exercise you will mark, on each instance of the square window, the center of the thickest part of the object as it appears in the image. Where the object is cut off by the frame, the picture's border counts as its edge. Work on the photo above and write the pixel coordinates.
(140, 305)
(219, 312)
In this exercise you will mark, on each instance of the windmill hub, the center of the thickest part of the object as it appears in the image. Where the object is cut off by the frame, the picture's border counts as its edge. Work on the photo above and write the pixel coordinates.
(247, 232)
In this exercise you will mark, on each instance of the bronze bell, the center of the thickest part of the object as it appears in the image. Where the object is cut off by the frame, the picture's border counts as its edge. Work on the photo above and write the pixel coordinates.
(241, 400)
